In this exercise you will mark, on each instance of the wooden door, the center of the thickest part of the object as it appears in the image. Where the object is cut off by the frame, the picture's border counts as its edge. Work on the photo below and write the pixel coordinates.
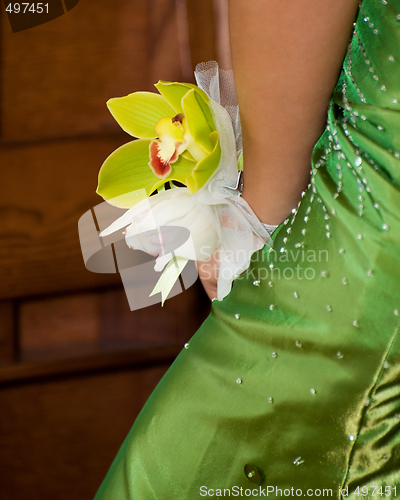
(76, 365)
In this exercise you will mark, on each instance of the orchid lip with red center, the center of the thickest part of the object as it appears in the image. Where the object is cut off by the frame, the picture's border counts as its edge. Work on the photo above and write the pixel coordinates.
(167, 148)
(160, 167)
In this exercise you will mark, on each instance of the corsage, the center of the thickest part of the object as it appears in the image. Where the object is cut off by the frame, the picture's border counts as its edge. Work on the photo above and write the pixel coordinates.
(184, 170)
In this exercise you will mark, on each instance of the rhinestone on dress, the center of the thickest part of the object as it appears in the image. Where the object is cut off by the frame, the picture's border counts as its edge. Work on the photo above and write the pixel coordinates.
(186, 346)
(357, 161)
(257, 283)
(237, 316)
(351, 437)
(238, 380)
(313, 391)
(339, 355)
(274, 355)
(270, 401)
(298, 461)
(298, 343)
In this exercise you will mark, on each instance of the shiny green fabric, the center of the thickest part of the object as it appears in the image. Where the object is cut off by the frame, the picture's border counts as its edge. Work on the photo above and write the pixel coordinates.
(297, 371)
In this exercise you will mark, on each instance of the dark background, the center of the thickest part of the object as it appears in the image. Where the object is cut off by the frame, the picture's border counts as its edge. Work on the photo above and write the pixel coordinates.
(76, 365)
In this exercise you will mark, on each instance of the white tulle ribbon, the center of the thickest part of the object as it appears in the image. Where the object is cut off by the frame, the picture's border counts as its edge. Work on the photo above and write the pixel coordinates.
(215, 215)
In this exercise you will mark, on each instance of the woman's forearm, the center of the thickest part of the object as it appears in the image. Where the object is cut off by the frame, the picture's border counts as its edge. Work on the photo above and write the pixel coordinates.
(286, 58)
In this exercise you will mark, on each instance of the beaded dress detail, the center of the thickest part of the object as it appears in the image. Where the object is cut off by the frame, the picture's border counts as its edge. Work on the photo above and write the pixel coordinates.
(293, 381)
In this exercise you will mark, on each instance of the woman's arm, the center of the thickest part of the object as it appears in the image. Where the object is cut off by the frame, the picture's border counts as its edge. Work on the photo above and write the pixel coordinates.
(287, 56)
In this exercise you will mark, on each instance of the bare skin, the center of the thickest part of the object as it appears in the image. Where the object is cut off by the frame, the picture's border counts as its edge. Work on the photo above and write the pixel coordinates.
(287, 56)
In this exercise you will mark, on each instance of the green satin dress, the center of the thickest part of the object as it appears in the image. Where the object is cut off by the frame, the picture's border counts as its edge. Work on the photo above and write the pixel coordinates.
(293, 381)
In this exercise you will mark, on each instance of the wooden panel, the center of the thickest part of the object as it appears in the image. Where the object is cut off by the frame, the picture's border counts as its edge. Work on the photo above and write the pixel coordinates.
(57, 77)
(78, 362)
(8, 347)
(59, 322)
(176, 322)
(58, 438)
(61, 325)
(49, 187)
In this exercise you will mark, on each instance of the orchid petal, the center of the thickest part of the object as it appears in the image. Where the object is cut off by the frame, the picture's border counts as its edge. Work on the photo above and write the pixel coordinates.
(124, 172)
(198, 127)
(182, 170)
(174, 92)
(168, 278)
(188, 156)
(207, 167)
(126, 218)
(173, 207)
(138, 113)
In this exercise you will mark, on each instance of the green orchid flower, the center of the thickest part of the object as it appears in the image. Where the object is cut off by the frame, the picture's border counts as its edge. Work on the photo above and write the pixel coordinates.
(177, 141)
